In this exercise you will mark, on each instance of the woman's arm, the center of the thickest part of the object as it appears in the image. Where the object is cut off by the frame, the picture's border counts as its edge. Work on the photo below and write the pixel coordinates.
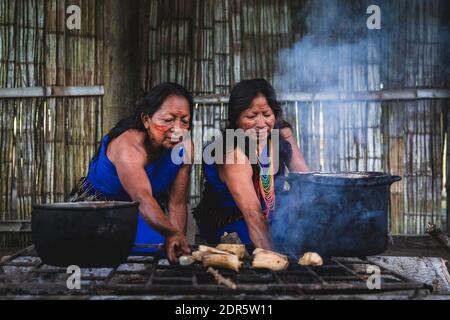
(130, 163)
(238, 178)
(178, 199)
(179, 192)
(297, 163)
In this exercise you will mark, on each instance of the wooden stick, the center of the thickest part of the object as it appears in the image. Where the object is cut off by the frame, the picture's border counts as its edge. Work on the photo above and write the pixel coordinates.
(222, 280)
(438, 235)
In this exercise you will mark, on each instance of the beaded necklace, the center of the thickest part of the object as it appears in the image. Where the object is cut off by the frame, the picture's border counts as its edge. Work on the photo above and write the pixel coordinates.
(266, 184)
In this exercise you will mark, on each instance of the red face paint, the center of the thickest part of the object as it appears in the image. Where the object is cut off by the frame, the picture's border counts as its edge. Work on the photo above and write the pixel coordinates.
(160, 128)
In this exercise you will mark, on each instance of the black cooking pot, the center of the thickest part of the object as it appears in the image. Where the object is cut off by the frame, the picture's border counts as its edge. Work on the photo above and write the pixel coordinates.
(342, 214)
(86, 234)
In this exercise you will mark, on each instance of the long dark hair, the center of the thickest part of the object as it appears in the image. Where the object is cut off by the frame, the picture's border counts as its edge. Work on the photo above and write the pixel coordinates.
(242, 96)
(149, 105)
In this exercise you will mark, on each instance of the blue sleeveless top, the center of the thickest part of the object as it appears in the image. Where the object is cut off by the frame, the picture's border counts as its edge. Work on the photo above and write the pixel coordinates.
(103, 181)
(219, 188)
(217, 212)
(219, 196)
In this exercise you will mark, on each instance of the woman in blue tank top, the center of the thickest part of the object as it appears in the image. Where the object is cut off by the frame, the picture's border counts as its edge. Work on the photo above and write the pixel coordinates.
(243, 197)
(142, 159)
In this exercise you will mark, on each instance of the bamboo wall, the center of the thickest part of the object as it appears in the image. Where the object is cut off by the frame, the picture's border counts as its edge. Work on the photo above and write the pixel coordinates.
(404, 138)
(210, 45)
(415, 132)
(46, 143)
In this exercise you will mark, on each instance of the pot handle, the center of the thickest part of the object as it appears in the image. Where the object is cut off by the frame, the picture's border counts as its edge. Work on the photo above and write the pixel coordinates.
(395, 179)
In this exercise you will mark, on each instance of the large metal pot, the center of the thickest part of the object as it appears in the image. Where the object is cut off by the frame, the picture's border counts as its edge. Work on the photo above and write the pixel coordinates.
(87, 234)
(336, 214)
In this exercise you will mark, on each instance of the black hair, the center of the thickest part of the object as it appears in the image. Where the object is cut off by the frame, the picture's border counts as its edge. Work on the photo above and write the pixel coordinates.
(149, 105)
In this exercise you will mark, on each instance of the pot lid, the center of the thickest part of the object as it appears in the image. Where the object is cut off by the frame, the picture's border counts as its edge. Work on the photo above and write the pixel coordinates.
(345, 178)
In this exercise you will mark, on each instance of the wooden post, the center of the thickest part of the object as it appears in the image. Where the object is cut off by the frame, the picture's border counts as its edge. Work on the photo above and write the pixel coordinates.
(447, 186)
(121, 60)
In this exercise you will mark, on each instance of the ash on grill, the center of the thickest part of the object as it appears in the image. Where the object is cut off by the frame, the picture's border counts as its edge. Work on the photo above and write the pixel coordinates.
(24, 276)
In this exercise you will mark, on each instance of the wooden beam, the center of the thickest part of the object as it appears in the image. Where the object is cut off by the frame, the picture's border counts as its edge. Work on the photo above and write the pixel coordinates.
(51, 92)
(78, 91)
(121, 61)
(429, 270)
(447, 162)
(87, 91)
(15, 226)
(383, 95)
(211, 99)
(31, 92)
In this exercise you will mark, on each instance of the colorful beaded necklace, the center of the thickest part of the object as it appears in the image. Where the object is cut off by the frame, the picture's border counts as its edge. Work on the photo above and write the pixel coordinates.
(266, 185)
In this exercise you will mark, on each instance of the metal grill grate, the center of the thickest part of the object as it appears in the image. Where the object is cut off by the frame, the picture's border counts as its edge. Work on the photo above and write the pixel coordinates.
(24, 275)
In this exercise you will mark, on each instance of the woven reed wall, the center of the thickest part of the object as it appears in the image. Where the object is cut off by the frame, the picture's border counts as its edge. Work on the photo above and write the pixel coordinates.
(46, 143)
(210, 45)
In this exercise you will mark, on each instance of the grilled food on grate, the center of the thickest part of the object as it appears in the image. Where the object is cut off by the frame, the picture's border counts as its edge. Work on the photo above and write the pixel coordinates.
(265, 259)
(237, 249)
(227, 261)
(311, 259)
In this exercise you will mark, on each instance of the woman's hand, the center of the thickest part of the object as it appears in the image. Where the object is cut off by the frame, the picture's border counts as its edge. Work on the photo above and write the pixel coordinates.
(176, 245)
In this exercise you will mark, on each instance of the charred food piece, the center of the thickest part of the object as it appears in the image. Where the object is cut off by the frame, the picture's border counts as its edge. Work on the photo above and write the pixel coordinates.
(311, 259)
(211, 250)
(266, 259)
(186, 260)
(198, 255)
(236, 249)
(230, 238)
(227, 261)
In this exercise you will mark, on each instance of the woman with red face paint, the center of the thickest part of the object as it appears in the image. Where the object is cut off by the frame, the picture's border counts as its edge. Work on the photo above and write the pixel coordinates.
(240, 196)
(135, 162)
